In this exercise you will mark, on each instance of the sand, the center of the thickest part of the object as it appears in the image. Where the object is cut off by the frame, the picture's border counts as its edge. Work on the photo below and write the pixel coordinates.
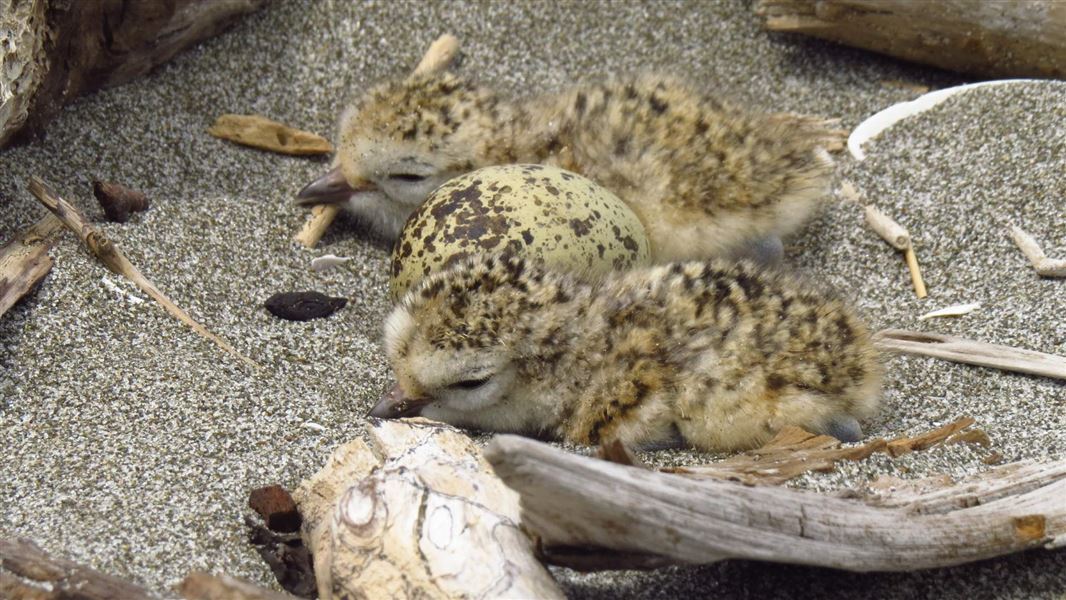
(131, 443)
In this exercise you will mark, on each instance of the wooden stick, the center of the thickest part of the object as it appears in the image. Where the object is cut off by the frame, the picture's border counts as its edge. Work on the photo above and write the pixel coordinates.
(322, 216)
(204, 586)
(1044, 266)
(24, 261)
(890, 231)
(440, 55)
(971, 352)
(28, 572)
(916, 273)
(111, 255)
(266, 134)
(571, 500)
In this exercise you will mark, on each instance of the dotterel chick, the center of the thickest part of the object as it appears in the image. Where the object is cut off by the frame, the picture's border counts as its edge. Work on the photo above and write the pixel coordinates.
(719, 352)
(705, 178)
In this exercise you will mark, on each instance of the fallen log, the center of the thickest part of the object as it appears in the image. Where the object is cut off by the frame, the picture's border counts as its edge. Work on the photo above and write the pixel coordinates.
(28, 572)
(57, 50)
(24, 261)
(417, 513)
(998, 39)
(577, 501)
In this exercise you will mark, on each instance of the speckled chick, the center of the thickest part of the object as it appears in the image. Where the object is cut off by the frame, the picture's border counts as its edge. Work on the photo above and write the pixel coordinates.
(721, 353)
(705, 178)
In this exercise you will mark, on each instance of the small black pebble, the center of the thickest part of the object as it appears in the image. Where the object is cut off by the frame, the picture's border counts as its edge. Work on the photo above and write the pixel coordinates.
(303, 306)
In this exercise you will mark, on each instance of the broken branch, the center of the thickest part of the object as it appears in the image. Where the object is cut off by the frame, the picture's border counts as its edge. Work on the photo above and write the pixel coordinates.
(111, 255)
(972, 352)
(28, 571)
(1044, 266)
(24, 261)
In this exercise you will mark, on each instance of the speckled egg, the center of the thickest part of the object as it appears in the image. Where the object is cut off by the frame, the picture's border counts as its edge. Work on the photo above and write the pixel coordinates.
(538, 211)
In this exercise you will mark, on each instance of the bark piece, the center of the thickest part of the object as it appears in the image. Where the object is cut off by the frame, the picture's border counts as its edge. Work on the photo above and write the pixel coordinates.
(118, 201)
(56, 50)
(24, 261)
(971, 352)
(1000, 39)
(265, 134)
(418, 513)
(204, 586)
(111, 255)
(26, 571)
(571, 500)
(276, 506)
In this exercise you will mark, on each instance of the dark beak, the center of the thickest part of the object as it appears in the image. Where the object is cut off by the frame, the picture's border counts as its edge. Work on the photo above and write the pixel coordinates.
(395, 405)
(331, 188)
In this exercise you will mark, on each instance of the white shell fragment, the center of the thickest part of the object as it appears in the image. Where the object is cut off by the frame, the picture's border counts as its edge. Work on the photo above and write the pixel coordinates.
(327, 262)
(952, 311)
(113, 287)
(873, 126)
(312, 425)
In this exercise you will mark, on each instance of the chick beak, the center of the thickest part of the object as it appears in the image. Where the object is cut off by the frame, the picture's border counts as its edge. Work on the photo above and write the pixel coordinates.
(331, 188)
(394, 404)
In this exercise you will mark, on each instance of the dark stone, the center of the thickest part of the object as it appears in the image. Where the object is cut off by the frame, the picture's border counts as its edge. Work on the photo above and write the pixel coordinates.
(303, 306)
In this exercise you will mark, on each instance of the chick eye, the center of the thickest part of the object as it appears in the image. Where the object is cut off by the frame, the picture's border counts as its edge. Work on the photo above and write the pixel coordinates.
(470, 384)
(409, 177)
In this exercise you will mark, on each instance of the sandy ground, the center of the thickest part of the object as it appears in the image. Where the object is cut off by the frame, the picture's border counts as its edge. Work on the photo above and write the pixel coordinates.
(131, 443)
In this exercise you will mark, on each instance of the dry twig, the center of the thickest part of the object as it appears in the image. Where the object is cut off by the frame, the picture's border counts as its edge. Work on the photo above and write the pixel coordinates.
(1044, 266)
(441, 53)
(111, 255)
(971, 352)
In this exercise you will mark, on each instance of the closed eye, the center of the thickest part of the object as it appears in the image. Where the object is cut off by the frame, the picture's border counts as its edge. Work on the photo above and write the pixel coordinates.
(409, 177)
(469, 384)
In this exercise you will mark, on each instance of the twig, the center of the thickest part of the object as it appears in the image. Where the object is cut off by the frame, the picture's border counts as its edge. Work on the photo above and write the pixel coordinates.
(265, 134)
(441, 53)
(898, 237)
(111, 255)
(24, 261)
(971, 352)
(1044, 266)
(28, 572)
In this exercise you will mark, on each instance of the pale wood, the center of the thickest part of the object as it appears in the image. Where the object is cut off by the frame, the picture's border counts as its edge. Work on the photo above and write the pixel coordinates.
(570, 500)
(441, 53)
(113, 258)
(260, 132)
(793, 452)
(417, 513)
(972, 352)
(29, 572)
(1044, 266)
(204, 586)
(889, 230)
(57, 50)
(322, 216)
(24, 261)
(956, 310)
(916, 272)
(1020, 38)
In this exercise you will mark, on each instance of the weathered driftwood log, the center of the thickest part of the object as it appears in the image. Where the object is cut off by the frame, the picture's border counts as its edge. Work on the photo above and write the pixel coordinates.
(577, 501)
(56, 50)
(24, 261)
(28, 572)
(971, 352)
(417, 514)
(1001, 39)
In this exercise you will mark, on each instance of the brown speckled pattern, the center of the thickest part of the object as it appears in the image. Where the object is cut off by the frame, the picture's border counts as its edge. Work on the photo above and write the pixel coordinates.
(527, 210)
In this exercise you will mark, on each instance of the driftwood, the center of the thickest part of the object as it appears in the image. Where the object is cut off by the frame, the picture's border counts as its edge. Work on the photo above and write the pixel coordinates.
(576, 501)
(1044, 266)
(793, 452)
(971, 352)
(441, 53)
(28, 572)
(111, 255)
(260, 132)
(417, 514)
(999, 39)
(24, 261)
(204, 586)
(56, 50)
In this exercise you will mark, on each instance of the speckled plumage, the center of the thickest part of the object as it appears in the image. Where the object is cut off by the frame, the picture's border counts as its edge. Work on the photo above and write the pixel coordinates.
(704, 177)
(722, 353)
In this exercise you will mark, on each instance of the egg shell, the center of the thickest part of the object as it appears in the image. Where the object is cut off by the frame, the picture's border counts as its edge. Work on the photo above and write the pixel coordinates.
(537, 211)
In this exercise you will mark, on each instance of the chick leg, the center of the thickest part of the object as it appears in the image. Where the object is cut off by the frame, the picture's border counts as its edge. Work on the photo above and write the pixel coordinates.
(766, 252)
